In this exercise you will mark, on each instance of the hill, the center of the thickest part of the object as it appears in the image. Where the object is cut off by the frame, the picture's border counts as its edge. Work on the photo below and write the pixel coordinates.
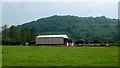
(76, 27)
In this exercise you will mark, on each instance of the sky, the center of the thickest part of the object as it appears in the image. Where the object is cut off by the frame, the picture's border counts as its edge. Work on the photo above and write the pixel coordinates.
(16, 13)
(59, 0)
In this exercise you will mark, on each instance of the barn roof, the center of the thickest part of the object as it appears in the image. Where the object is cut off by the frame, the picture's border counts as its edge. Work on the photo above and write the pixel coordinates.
(42, 36)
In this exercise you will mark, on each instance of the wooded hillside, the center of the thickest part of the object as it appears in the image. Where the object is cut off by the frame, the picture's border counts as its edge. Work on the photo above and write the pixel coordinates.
(76, 27)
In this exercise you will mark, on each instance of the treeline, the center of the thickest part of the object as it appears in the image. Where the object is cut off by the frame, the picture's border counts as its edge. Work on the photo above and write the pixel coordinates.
(17, 36)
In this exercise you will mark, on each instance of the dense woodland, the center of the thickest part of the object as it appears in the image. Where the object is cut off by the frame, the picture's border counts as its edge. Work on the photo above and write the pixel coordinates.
(75, 27)
(16, 36)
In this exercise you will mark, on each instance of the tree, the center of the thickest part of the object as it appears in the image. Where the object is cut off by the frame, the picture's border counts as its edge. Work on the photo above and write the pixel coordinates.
(4, 31)
(4, 27)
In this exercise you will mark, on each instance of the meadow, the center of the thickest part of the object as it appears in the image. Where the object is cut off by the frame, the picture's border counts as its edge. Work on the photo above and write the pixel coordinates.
(59, 56)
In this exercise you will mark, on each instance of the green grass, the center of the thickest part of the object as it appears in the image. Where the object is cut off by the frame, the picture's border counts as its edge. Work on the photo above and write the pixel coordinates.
(59, 56)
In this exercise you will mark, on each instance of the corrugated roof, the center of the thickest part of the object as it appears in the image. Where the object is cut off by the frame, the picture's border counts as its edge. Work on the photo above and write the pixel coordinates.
(42, 36)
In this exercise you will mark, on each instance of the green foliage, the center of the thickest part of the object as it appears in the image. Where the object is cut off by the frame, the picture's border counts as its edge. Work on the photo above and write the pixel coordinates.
(16, 36)
(59, 56)
(76, 27)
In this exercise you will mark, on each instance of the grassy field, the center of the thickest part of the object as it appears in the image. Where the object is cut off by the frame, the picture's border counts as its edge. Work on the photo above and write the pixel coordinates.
(59, 56)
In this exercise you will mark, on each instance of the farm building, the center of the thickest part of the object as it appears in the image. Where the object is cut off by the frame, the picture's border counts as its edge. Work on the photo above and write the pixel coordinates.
(53, 40)
(70, 43)
(93, 42)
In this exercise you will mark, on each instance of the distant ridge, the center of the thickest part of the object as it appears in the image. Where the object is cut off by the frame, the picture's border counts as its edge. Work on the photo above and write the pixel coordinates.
(76, 27)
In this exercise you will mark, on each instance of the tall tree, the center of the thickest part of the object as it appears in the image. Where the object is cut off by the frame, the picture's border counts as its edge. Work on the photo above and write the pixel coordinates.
(4, 31)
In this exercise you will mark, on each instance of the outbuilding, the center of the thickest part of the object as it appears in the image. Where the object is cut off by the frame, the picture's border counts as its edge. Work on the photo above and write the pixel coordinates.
(96, 41)
(52, 40)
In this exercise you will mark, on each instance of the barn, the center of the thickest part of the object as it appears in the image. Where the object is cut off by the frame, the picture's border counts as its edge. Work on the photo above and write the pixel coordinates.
(52, 40)
(96, 41)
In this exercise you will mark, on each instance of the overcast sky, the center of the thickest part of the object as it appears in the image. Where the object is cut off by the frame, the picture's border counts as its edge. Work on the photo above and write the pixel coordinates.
(15, 13)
